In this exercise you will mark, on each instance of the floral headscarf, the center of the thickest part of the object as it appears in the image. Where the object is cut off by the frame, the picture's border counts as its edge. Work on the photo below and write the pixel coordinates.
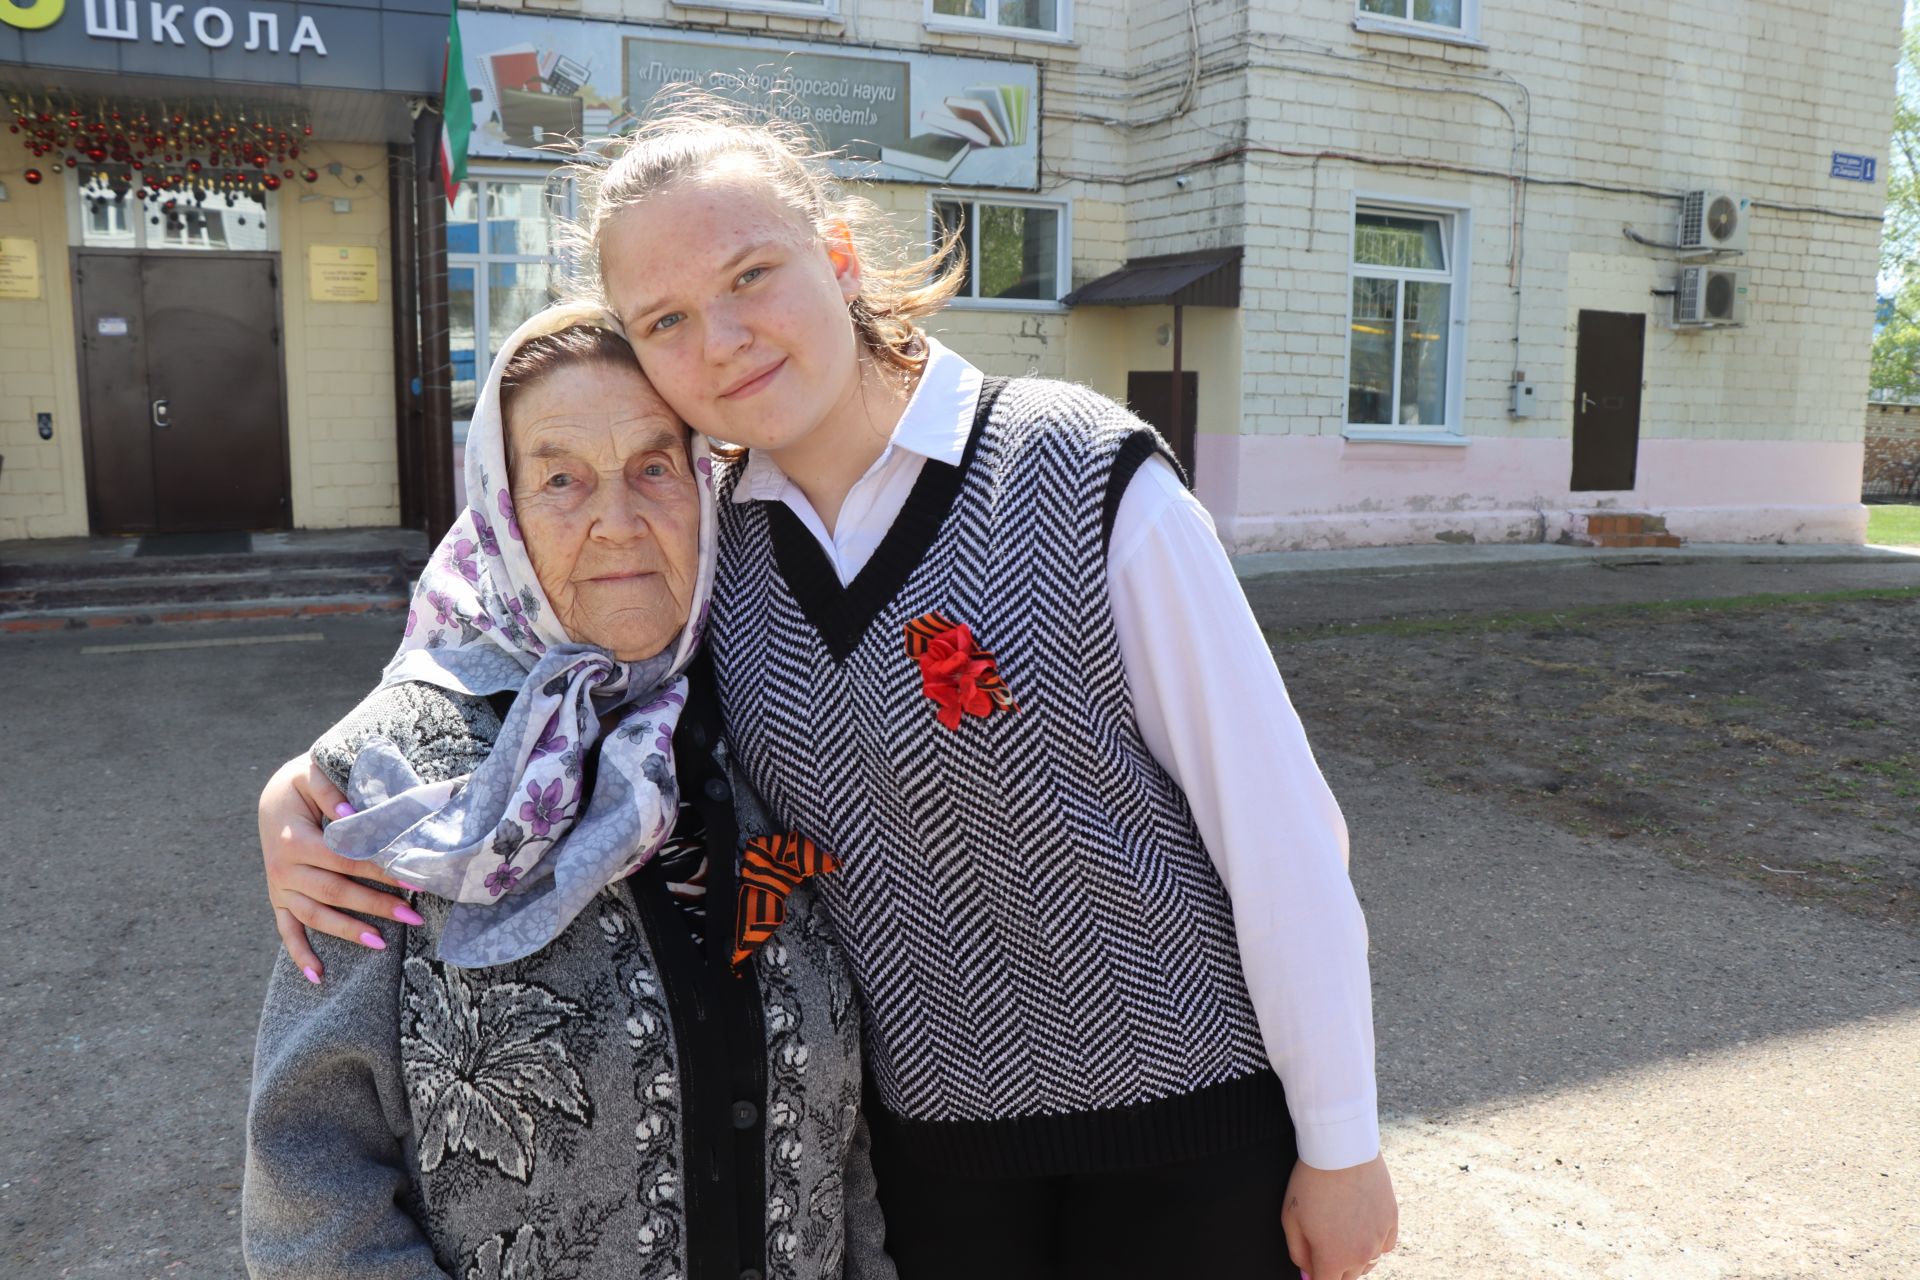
(514, 844)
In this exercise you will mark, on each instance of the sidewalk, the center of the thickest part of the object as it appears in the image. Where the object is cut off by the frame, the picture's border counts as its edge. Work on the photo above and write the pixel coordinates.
(1446, 557)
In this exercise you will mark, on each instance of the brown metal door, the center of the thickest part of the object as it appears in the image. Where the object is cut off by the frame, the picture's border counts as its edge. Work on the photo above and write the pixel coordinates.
(213, 372)
(185, 427)
(113, 360)
(1606, 399)
(1150, 394)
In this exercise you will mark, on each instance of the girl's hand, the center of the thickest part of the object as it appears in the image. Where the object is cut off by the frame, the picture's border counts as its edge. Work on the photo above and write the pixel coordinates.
(305, 879)
(1340, 1221)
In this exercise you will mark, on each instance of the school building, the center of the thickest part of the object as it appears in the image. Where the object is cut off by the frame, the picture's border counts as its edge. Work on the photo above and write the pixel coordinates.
(1385, 271)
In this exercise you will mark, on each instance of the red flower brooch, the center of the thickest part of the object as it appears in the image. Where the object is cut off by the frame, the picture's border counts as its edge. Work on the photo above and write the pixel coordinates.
(957, 674)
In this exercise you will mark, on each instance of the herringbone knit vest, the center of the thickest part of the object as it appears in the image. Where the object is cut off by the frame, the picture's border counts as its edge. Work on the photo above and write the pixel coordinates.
(1045, 953)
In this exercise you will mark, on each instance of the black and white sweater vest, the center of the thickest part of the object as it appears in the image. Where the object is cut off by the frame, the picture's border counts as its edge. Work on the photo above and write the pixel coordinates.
(1044, 949)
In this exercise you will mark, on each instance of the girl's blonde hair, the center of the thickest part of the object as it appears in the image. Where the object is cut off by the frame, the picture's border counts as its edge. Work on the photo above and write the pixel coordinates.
(687, 133)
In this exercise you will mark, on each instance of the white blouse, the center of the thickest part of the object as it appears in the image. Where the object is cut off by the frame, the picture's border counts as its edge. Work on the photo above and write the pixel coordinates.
(1215, 714)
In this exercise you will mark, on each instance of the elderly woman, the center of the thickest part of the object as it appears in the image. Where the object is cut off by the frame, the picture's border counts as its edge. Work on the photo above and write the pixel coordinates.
(602, 1053)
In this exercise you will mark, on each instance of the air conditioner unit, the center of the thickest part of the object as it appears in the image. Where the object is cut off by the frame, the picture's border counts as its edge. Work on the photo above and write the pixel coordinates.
(1713, 222)
(1710, 297)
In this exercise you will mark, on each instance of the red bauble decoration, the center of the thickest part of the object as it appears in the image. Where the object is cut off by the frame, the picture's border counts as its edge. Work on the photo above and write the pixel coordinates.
(311, 175)
(306, 130)
(193, 166)
(96, 154)
(286, 173)
(33, 177)
(272, 181)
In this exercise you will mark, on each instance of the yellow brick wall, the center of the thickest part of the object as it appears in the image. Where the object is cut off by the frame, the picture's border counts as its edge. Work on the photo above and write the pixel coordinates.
(43, 491)
(340, 424)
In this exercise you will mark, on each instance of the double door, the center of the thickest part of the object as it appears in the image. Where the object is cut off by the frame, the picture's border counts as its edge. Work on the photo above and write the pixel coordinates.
(185, 412)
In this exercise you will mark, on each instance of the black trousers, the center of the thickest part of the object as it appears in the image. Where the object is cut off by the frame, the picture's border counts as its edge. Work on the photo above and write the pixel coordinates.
(1212, 1219)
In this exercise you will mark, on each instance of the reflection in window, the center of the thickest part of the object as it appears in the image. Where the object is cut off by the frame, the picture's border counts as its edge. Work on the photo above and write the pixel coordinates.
(1436, 13)
(1013, 250)
(1025, 15)
(500, 270)
(1399, 346)
(462, 335)
(183, 213)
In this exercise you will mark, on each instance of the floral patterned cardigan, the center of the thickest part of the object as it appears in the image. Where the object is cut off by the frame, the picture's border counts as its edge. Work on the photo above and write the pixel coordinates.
(616, 1105)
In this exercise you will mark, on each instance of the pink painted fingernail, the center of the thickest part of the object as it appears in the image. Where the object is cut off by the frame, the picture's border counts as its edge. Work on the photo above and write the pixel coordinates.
(312, 977)
(410, 888)
(407, 915)
(372, 939)
(344, 810)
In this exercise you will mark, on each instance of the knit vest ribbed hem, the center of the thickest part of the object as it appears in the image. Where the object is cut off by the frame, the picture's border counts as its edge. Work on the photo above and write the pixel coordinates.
(1230, 1116)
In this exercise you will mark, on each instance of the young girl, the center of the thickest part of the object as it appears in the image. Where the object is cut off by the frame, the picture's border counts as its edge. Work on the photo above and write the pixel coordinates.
(977, 639)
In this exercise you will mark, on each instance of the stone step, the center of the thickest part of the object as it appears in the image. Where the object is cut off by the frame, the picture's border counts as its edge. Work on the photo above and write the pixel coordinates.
(29, 572)
(261, 581)
(1624, 529)
(120, 616)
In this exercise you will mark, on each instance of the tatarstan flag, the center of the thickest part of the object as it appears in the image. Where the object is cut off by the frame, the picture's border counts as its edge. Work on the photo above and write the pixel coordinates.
(456, 112)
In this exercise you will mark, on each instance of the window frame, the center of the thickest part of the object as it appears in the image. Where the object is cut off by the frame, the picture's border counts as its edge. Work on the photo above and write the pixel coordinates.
(137, 219)
(1063, 249)
(1467, 33)
(954, 24)
(1456, 220)
(479, 262)
(826, 11)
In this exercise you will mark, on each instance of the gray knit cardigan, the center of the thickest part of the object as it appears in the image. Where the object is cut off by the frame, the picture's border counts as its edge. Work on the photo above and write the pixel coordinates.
(410, 1120)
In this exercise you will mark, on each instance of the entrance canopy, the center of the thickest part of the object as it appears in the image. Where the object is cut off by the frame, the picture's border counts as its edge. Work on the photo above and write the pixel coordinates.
(1205, 278)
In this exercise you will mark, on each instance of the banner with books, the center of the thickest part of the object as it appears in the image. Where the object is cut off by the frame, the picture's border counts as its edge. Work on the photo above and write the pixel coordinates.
(898, 116)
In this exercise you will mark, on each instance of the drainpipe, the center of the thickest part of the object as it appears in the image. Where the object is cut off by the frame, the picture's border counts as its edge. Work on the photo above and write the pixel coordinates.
(1179, 386)
(436, 355)
(406, 336)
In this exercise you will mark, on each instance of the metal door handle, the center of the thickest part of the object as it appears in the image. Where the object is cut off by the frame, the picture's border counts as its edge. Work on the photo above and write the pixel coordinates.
(1586, 402)
(160, 414)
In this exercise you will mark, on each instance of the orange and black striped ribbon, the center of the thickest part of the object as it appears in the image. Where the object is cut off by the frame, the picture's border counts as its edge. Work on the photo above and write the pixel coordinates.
(770, 869)
(920, 634)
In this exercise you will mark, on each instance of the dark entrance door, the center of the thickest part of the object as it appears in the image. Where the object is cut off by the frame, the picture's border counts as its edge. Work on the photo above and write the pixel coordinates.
(1606, 399)
(185, 425)
(1150, 394)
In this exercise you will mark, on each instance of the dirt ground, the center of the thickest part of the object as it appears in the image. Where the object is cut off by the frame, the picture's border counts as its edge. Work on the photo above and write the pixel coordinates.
(1777, 741)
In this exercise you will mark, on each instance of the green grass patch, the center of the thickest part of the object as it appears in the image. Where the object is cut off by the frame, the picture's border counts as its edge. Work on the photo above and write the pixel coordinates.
(1592, 613)
(1893, 525)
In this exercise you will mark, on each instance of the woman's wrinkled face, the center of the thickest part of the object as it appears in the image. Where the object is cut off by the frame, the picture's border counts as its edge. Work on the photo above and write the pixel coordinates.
(608, 505)
(737, 309)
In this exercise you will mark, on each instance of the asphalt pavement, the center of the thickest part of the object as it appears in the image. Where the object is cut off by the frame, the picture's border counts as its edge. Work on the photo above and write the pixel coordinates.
(1593, 1064)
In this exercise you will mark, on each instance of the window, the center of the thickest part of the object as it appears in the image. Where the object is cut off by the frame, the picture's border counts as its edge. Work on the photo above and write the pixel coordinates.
(184, 216)
(1402, 365)
(1025, 19)
(1443, 19)
(1016, 252)
(500, 270)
